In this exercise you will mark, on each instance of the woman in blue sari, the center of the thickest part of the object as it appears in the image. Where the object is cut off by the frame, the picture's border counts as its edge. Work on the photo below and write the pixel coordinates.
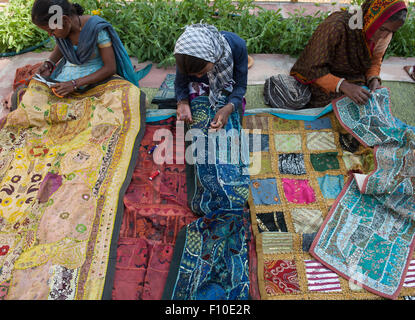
(88, 49)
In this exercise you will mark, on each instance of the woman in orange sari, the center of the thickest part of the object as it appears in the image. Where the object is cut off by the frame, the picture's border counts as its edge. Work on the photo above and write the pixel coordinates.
(340, 58)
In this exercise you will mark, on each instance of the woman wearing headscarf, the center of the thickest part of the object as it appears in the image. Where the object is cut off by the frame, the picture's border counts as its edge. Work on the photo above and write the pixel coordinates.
(217, 59)
(211, 80)
(88, 130)
(345, 53)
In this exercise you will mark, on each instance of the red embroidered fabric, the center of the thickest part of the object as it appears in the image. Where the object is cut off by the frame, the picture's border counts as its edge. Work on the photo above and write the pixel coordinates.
(155, 212)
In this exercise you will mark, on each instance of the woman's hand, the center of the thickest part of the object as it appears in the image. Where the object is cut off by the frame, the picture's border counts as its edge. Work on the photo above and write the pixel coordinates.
(63, 88)
(358, 94)
(374, 84)
(45, 70)
(183, 112)
(221, 117)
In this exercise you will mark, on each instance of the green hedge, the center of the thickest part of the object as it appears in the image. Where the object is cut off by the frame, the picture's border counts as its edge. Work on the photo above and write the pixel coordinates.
(17, 31)
(149, 28)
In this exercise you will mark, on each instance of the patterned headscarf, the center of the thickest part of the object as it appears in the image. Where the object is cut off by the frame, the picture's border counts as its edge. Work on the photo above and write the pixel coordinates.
(377, 12)
(204, 41)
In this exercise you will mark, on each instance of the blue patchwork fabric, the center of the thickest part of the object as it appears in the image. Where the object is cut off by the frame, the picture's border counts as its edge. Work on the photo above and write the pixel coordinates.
(370, 232)
(331, 186)
(258, 142)
(214, 259)
(265, 192)
(321, 123)
(212, 263)
(220, 184)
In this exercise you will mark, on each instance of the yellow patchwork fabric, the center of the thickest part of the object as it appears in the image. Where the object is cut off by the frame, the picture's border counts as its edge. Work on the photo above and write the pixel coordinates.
(62, 165)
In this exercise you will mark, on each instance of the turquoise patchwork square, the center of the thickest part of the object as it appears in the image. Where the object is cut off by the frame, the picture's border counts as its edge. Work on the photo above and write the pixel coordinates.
(331, 186)
(372, 261)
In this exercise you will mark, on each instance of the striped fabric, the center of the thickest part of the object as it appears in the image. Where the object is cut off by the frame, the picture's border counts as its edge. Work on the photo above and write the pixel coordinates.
(321, 141)
(277, 242)
(410, 275)
(256, 123)
(320, 278)
(306, 220)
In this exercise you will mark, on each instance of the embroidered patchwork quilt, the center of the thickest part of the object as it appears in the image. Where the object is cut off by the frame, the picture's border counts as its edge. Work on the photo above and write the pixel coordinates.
(368, 236)
(64, 167)
(301, 169)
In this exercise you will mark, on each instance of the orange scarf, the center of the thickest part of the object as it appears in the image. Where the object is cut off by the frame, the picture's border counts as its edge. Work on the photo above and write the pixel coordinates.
(377, 12)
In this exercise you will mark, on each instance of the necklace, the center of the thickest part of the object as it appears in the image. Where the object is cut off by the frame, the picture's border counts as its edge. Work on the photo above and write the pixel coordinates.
(80, 26)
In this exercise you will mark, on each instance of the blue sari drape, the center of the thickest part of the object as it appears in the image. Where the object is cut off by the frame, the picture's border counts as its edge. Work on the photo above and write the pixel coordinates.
(88, 41)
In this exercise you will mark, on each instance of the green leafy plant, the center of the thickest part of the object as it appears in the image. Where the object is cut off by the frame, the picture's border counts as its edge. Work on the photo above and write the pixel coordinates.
(403, 41)
(149, 28)
(16, 28)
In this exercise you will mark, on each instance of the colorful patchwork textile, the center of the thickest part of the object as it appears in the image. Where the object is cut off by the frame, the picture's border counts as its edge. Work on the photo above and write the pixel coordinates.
(368, 235)
(211, 254)
(166, 96)
(306, 177)
(64, 167)
(155, 211)
(210, 261)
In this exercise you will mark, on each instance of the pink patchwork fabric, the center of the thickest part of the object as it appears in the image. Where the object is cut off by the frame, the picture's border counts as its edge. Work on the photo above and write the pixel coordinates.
(298, 191)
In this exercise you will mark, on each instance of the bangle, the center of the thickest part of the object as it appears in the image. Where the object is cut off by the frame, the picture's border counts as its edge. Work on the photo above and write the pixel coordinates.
(339, 84)
(49, 63)
(233, 106)
(74, 84)
(373, 77)
(53, 63)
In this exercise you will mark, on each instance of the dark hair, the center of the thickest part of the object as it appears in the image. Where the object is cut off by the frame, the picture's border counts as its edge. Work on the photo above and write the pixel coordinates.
(189, 64)
(40, 10)
(400, 15)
